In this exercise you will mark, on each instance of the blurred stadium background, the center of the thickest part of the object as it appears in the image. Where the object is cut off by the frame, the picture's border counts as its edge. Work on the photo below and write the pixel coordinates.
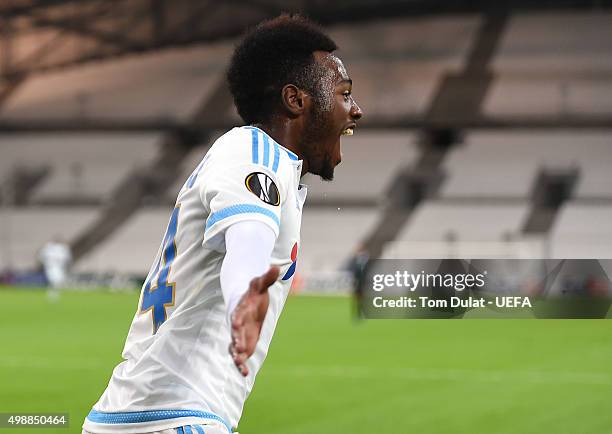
(486, 134)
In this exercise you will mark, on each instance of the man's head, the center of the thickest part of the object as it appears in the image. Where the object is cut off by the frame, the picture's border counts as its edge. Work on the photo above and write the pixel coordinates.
(284, 73)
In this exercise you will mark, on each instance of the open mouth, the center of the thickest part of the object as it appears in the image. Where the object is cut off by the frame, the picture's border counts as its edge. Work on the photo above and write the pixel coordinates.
(349, 130)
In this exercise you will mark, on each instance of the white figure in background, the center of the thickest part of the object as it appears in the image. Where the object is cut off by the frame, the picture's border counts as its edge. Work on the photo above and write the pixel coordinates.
(56, 259)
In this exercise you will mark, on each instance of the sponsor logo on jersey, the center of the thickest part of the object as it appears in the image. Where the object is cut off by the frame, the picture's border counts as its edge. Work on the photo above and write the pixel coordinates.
(262, 186)
(291, 271)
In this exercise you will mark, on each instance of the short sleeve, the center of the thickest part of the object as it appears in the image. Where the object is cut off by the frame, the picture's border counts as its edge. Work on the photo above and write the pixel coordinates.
(240, 193)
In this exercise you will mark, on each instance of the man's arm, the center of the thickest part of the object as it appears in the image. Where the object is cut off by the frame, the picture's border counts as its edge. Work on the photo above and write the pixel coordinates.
(245, 277)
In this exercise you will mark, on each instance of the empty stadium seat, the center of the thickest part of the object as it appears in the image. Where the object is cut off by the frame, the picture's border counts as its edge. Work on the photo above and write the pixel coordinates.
(542, 69)
(582, 231)
(440, 229)
(188, 165)
(26, 230)
(82, 166)
(330, 236)
(505, 164)
(396, 73)
(369, 162)
(434, 221)
(132, 248)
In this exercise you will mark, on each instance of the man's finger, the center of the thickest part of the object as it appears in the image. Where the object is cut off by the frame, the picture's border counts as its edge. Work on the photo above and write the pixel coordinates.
(240, 358)
(239, 339)
(238, 332)
(243, 369)
(255, 284)
(239, 346)
(237, 319)
(268, 278)
(240, 361)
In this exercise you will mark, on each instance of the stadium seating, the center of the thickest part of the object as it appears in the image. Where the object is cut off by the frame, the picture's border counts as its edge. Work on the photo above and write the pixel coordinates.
(189, 163)
(553, 72)
(434, 220)
(408, 58)
(439, 229)
(369, 162)
(25, 230)
(505, 164)
(582, 231)
(82, 166)
(132, 248)
(330, 236)
(483, 198)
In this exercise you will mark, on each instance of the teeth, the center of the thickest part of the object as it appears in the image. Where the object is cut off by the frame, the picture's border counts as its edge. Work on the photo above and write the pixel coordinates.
(348, 132)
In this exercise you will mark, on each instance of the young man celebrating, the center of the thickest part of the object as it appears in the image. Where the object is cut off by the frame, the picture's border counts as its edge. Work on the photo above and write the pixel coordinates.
(212, 298)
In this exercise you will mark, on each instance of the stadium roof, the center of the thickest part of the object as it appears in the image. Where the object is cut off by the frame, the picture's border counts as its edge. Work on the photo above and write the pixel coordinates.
(42, 35)
(38, 35)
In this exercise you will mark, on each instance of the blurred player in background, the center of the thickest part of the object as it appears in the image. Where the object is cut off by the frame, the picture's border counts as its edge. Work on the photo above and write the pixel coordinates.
(212, 298)
(56, 259)
(358, 267)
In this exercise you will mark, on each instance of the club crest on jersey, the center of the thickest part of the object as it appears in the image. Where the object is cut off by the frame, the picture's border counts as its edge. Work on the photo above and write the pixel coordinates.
(262, 186)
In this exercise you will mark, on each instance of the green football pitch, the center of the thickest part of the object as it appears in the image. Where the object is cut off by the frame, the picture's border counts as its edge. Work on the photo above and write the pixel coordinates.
(326, 373)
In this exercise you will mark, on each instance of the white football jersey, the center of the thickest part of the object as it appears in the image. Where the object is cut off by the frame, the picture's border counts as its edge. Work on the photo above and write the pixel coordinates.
(177, 370)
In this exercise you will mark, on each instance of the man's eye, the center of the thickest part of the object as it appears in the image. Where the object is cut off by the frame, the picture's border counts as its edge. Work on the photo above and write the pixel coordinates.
(346, 94)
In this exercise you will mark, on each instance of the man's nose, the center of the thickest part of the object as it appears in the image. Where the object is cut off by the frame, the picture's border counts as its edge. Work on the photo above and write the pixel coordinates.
(356, 112)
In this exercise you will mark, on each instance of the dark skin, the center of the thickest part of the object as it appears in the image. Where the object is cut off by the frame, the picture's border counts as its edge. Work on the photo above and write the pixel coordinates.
(311, 128)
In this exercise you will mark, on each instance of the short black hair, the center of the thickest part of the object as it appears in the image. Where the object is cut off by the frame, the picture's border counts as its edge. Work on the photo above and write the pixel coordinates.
(275, 53)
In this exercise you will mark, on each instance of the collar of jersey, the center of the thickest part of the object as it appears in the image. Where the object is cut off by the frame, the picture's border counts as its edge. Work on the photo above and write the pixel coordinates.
(290, 154)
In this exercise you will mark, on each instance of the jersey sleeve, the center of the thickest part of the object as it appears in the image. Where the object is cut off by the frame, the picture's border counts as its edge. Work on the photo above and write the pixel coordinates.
(248, 250)
(246, 192)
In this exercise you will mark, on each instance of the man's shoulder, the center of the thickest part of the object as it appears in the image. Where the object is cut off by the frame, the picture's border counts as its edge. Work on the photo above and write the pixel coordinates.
(234, 145)
(251, 146)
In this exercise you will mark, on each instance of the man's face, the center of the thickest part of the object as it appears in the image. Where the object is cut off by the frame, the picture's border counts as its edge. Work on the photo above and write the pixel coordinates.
(333, 113)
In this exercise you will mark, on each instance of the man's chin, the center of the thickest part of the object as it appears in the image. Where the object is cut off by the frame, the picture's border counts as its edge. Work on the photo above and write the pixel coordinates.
(327, 176)
(327, 172)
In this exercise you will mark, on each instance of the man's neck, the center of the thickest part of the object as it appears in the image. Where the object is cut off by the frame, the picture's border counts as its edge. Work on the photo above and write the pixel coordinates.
(285, 133)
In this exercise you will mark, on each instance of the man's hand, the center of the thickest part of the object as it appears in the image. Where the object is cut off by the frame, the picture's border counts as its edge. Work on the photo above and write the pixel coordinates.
(248, 318)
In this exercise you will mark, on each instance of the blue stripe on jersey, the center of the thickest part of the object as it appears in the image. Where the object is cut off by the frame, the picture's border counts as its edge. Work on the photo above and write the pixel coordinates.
(188, 430)
(188, 183)
(276, 157)
(180, 430)
(151, 416)
(266, 150)
(254, 131)
(194, 175)
(244, 208)
(291, 154)
(255, 140)
(199, 429)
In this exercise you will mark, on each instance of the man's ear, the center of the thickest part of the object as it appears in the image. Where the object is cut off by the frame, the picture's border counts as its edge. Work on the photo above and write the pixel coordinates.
(294, 99)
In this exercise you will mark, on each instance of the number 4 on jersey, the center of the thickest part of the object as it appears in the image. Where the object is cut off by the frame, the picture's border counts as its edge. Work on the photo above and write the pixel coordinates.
(161, 295)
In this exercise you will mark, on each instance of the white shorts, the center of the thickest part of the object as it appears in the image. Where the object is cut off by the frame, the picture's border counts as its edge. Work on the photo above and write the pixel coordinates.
(187, 429)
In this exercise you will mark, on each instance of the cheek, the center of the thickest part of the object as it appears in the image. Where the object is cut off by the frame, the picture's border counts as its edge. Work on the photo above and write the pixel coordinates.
(341, 109)
(327, 105)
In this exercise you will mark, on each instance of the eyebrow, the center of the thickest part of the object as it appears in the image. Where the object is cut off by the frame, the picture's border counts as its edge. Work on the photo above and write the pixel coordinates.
(346, 80)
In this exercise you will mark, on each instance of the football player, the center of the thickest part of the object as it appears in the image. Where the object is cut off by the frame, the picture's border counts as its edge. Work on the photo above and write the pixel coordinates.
(217, 286)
